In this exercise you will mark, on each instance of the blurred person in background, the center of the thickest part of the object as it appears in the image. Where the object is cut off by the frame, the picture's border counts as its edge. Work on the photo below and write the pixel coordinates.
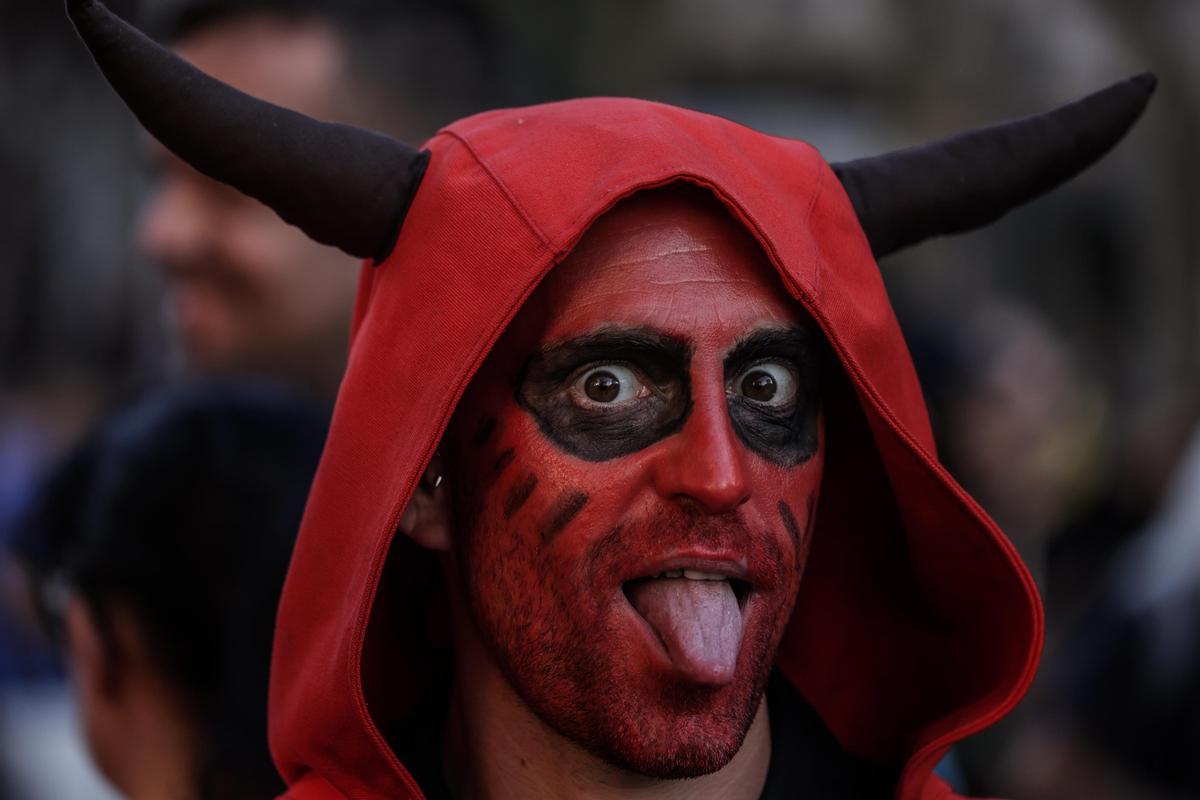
(158, 550)
(1019, 417)
(246, 292)
(1120, 718)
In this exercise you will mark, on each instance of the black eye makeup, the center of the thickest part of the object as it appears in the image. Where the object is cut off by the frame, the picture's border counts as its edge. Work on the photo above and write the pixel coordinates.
(771, 386)
(609, 393)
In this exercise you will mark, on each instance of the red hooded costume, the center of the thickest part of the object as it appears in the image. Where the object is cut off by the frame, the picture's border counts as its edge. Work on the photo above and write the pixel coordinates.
(916, 623)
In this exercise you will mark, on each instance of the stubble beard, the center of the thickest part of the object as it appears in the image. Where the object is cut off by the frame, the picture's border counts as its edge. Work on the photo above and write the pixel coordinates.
(587, 682)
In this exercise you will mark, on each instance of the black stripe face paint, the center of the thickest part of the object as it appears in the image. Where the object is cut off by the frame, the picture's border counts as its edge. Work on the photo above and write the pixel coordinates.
(484, 432)
(565, 509)
(610, 393)
(792, 527)
(771, 382)
(502, 461)
(519, 495)
(800, 538)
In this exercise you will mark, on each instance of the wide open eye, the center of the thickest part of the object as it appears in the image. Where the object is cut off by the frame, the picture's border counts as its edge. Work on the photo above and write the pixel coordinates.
(607, 385)
(769, 383)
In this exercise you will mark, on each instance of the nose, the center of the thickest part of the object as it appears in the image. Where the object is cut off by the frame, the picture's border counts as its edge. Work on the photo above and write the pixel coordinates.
(171, 228)
(704, 462)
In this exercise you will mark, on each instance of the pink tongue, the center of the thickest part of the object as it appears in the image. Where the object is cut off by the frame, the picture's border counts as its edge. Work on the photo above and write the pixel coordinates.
(698, 621)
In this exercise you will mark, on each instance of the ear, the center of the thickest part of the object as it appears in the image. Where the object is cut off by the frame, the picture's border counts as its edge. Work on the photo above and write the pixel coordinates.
(426, 520)
(93, 660)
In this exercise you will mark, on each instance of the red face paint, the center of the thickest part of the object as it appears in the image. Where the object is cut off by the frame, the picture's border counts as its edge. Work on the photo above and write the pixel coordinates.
(632, 518)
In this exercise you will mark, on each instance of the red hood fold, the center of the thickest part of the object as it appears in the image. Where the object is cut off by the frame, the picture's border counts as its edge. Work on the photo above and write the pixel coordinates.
(916, 622)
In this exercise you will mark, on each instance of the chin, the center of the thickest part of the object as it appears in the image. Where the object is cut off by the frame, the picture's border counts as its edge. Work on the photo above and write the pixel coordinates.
(640, 721)
(687, 751)
(561, 628)
(592, 678)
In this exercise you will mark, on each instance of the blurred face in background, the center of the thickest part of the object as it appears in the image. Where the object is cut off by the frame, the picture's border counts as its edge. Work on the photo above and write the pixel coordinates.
(245, 291)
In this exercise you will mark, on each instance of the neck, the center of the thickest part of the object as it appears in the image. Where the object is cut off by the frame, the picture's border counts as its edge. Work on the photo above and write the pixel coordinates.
(498, 749)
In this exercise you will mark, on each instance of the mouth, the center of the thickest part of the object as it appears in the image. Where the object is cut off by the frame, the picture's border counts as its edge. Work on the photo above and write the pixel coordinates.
(694, 609)
(740, 586)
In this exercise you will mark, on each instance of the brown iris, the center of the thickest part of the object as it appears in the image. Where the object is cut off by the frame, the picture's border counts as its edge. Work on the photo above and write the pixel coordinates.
(759, 385)
(601, 386)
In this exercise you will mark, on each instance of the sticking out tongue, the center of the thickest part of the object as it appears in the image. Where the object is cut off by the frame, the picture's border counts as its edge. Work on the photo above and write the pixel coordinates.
(699, 622)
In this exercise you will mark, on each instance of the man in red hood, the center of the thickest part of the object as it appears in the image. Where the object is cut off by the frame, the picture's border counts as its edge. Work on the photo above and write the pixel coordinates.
(625, 379)
(629, 485)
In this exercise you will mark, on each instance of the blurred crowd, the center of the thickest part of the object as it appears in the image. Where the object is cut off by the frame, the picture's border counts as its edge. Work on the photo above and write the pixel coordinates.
(165, 343)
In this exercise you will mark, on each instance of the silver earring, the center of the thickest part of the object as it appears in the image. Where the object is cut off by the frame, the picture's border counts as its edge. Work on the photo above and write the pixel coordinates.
(437, 481)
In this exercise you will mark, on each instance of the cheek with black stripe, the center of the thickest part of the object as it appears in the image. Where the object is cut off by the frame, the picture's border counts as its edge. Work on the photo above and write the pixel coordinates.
(561, 513)
(792, 527)
(484, 432)
(519, 494)
(503, 461)
(801, 537)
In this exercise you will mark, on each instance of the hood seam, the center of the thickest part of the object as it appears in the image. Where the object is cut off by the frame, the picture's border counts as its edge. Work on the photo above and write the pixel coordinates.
(814, 248)
(1005, 550)
(379, 558)
(503, 187)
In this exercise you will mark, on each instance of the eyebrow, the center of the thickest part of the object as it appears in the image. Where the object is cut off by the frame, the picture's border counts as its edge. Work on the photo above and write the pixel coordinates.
(613, 342)
(794, 342)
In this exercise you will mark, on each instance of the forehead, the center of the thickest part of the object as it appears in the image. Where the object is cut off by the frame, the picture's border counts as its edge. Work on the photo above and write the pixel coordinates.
(294, 63)
(674, 260)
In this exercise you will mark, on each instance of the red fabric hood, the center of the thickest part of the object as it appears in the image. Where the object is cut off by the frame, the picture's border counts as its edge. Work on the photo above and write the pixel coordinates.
(916, 623)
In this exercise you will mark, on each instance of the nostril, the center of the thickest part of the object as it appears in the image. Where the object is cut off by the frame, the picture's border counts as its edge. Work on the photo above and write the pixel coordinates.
(706, 494)
(707, 501)
(716, 496)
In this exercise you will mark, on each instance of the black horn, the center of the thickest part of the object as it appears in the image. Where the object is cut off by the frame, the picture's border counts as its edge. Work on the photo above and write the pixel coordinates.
(971, 179)
(341, 185)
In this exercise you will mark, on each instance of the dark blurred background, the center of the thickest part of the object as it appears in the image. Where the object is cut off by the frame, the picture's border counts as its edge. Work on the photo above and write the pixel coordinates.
(1058, 347)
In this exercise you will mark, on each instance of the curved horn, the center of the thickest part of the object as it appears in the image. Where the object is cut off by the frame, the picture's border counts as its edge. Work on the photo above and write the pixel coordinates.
(974, 178)
(341, 185)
